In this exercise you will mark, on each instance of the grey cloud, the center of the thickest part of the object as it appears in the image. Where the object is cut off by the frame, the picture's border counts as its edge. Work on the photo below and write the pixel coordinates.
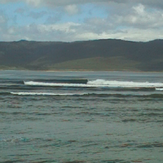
(72, 9)
(70, 2)
(151, 3)
(7, 1)
(55, 3)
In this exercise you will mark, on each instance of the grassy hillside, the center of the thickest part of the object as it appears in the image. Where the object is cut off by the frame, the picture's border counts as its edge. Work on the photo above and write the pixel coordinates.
(97, 64)
(96, 55)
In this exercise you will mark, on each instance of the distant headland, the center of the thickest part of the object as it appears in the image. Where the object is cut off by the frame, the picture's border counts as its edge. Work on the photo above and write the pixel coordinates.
(93, 55)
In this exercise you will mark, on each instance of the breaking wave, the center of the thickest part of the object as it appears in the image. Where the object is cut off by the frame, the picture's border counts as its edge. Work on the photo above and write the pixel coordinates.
(46, 94)
(87, 94)
(101, 83)
(33, 83)
(159, 89)
(114, 83)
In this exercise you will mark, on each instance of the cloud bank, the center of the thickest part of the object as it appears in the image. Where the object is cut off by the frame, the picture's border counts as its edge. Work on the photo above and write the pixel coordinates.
(71, 20)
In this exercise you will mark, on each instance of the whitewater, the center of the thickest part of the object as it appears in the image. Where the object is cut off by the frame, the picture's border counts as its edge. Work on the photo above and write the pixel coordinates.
(100, 83)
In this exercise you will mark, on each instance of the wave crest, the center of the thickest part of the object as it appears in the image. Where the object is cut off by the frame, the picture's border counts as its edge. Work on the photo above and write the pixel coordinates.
(100, 83)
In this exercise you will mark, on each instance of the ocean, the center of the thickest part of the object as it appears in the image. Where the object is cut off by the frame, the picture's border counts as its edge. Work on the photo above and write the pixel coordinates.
(111, 117)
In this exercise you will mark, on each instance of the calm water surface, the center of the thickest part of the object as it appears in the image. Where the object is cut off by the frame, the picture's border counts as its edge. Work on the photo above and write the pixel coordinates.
(116, 117)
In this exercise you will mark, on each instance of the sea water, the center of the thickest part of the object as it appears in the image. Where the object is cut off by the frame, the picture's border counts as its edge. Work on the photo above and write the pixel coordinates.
(116, 117)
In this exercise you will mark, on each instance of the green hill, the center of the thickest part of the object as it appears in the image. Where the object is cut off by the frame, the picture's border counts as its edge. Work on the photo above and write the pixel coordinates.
(99, 55)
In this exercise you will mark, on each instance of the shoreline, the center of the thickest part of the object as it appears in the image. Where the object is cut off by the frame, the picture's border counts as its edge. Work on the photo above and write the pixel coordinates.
(82, 70)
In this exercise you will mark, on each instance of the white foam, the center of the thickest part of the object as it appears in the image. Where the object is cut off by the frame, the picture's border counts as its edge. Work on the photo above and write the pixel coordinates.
(159, 89)
(114, 83)
(54, 84)
(46, 94)
(100, 83)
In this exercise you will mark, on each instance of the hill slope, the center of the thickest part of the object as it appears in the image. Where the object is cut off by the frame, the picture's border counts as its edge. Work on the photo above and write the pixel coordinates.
(107, 54)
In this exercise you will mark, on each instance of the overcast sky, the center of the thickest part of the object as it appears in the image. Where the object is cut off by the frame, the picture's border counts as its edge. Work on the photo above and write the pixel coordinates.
(74, 20)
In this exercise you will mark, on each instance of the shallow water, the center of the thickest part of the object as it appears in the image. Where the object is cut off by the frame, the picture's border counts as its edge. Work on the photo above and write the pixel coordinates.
(102, 121)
